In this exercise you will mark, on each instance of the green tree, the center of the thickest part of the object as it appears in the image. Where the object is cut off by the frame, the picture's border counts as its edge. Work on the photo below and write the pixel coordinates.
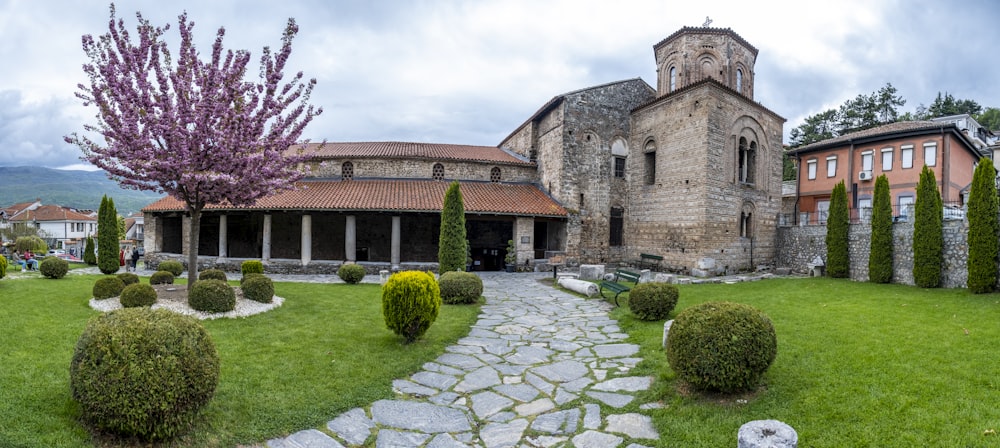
(945, 105)
(983, 225)
(880, 255)
(838, 262)
(928, 239)
(816, 128)
(89, 256)
(120, 222)
(452, 243)
(787, 167)
(107, 237)
(990, 118)
(862, 112)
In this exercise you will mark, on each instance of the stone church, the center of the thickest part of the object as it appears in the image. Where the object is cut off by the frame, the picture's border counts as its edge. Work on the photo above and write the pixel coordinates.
(689, 170)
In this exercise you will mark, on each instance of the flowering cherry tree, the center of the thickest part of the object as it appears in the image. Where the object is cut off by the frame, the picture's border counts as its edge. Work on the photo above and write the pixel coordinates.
(193, 129)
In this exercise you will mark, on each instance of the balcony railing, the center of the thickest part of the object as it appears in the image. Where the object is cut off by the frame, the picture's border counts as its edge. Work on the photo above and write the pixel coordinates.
(952, 211)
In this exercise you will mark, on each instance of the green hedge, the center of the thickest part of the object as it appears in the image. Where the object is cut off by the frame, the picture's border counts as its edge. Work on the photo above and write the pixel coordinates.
(460, 287)
(143, 373)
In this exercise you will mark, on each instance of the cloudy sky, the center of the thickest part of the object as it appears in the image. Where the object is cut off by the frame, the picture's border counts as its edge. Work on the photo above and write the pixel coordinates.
(470, 72)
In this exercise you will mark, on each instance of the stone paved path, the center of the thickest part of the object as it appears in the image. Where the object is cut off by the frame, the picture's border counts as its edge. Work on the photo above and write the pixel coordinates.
(541, 368)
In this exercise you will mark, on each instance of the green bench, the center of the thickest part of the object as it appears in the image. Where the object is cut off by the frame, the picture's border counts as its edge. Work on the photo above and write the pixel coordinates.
(618, 288)
(652, 260)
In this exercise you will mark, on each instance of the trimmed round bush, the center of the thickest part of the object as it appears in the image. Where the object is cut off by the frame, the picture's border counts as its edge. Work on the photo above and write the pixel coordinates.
(252, 267)
(411, 301)
(107, 287)
(53, 267)
(172, 266)
(250, 275)
(143, 373)
(258, 288)
(653, 301)
(3, 266)
(128, 278)
(138, 294)
(460, 287)
(161, 278)
(212, 274)
(351, 273)
(212, 296)
(721, 346)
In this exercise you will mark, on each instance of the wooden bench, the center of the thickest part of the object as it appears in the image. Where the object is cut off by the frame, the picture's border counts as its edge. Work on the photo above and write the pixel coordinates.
(652, 260)
(618, 288)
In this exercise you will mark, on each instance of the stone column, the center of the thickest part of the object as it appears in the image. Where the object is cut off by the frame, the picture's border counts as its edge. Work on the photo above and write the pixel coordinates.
(223, 238)
(306, 239)
(524, 231)
(394, 258)
(265, 256)
(350, 239)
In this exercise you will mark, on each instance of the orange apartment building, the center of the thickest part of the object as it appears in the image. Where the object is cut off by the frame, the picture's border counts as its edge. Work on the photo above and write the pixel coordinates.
(898, 150)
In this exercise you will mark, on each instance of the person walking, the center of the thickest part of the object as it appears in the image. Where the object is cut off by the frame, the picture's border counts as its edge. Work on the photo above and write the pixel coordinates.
(135, 258)
(121, 259)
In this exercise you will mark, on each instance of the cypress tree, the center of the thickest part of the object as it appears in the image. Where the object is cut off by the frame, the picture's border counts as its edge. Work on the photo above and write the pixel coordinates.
(838, 262)
(88, 252)
(107, 237)
(880, 254)
(452, 243)
(982, 239)
(928, 239)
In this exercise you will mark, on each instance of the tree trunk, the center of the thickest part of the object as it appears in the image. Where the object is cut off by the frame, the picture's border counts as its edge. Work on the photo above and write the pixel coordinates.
(193, 248)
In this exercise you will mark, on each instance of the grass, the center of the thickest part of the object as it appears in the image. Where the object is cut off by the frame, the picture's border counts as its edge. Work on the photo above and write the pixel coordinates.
(325, 351)
(859, 364)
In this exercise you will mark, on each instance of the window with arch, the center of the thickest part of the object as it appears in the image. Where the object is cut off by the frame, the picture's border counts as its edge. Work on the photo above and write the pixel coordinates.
(746, 224)
(739, 80)
(619, 151)
(347, 171)
(495, 174)
(616, 226)
(747, 160)
(437, 173)
(649, 153)
(673, 78)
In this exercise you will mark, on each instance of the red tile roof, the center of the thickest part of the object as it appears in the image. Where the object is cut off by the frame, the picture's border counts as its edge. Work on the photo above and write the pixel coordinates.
(397, 195)
(53, 213)
(405, 150)
(888, 131)
(18, 208)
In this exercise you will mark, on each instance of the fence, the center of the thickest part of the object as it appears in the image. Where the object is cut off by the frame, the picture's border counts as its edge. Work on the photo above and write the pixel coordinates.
(900, 213)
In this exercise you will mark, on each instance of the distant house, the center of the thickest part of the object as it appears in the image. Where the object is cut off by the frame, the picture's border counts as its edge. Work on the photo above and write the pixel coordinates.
(59, 226)
(135, 228)
(898, 150)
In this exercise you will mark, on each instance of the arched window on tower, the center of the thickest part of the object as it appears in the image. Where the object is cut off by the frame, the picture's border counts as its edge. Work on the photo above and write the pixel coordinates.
(747, 160)
(437, 173)
(746, 221)
(739, 80)
(673, 78)
(649, 154)
(347, 171)
(495, 174)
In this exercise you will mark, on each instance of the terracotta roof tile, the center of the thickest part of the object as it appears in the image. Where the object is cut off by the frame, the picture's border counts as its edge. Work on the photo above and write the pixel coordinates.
(53, 213)
(885, 129)
(436, 151)
(397, 195)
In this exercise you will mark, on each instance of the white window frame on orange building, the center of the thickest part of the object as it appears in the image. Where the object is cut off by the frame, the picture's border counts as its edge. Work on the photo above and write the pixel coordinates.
(906, 156)
(811, 169)
(931, 149)
(831, 166)
(886, 162)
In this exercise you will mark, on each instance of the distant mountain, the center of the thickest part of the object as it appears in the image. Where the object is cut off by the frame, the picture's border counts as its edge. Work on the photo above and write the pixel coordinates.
(75, 189)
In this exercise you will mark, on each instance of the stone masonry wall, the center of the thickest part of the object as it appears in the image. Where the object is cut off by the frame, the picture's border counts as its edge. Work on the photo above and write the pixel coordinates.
(423, 169)
(798, 246)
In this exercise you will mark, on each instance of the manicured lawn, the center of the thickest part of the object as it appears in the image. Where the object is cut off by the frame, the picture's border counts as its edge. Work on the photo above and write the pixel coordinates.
(326, 350)
(859, 365)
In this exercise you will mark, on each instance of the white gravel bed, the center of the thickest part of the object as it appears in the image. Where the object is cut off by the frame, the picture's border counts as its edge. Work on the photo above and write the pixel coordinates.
(244, 307)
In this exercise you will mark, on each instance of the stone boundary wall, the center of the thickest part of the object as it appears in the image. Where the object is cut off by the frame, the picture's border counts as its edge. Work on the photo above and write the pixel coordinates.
(798, 246)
